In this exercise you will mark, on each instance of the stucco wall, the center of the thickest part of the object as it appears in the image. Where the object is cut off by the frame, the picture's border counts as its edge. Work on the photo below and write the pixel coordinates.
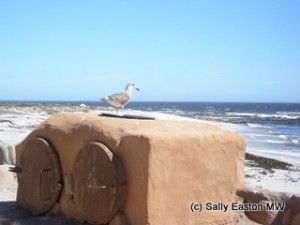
(168, 165)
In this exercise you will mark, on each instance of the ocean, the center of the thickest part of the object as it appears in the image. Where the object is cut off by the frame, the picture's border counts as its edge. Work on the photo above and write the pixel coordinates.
(271, 129)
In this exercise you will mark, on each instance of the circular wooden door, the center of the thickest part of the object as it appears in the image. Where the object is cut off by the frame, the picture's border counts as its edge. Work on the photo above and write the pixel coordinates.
(99, 189)
(40, 180)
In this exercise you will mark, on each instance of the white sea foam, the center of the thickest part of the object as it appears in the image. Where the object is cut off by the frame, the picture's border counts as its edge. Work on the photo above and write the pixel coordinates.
(255, 125)
(274, 141)
(283, 115)
(258, 135)
(241, 114)
(270, 141)
(283, 136)
(289, 115)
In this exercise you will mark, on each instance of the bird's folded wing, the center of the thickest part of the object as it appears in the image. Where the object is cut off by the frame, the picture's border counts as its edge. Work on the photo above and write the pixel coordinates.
(121, 98)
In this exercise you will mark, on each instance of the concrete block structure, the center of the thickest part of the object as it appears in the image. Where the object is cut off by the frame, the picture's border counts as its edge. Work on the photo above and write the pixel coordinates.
(129, 171)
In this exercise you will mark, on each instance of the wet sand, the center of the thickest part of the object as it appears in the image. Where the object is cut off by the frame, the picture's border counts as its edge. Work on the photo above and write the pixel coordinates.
(266, 163)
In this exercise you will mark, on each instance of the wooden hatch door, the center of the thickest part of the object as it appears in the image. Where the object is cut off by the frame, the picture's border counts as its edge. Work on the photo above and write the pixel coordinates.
(99, 183)
(40, 179)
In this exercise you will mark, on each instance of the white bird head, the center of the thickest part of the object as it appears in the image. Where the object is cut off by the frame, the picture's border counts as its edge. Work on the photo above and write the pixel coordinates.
(130, 86)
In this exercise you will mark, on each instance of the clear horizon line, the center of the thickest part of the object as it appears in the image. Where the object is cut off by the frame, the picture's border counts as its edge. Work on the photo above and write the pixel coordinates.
(147, 101)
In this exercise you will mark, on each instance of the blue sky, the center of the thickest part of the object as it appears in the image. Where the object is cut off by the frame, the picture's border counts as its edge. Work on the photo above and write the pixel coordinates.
(201, 50)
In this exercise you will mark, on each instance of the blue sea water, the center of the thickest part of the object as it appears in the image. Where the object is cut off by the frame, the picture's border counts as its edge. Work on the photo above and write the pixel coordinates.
(270, 129)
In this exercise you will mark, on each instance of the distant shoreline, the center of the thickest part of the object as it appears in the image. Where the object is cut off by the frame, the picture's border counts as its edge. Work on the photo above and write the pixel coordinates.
(152, 101)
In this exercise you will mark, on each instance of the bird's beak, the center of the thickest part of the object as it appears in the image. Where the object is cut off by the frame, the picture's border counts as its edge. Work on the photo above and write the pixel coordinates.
(137, 89)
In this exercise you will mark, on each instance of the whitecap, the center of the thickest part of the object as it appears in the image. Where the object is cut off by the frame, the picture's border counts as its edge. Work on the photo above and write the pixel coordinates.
(256, 125)
(258, 135)
(278, 116)
(275, 142)
(240, 114)
(283, 136)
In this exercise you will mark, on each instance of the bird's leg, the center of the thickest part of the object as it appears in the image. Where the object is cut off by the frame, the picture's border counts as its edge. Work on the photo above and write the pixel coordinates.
(122, 109)
(117, 110)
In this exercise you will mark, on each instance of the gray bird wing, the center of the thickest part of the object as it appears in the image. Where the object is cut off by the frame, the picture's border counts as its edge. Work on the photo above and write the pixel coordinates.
(121, 98)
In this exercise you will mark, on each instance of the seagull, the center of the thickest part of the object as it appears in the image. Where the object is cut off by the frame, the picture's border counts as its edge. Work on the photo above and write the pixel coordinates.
(121, 99)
